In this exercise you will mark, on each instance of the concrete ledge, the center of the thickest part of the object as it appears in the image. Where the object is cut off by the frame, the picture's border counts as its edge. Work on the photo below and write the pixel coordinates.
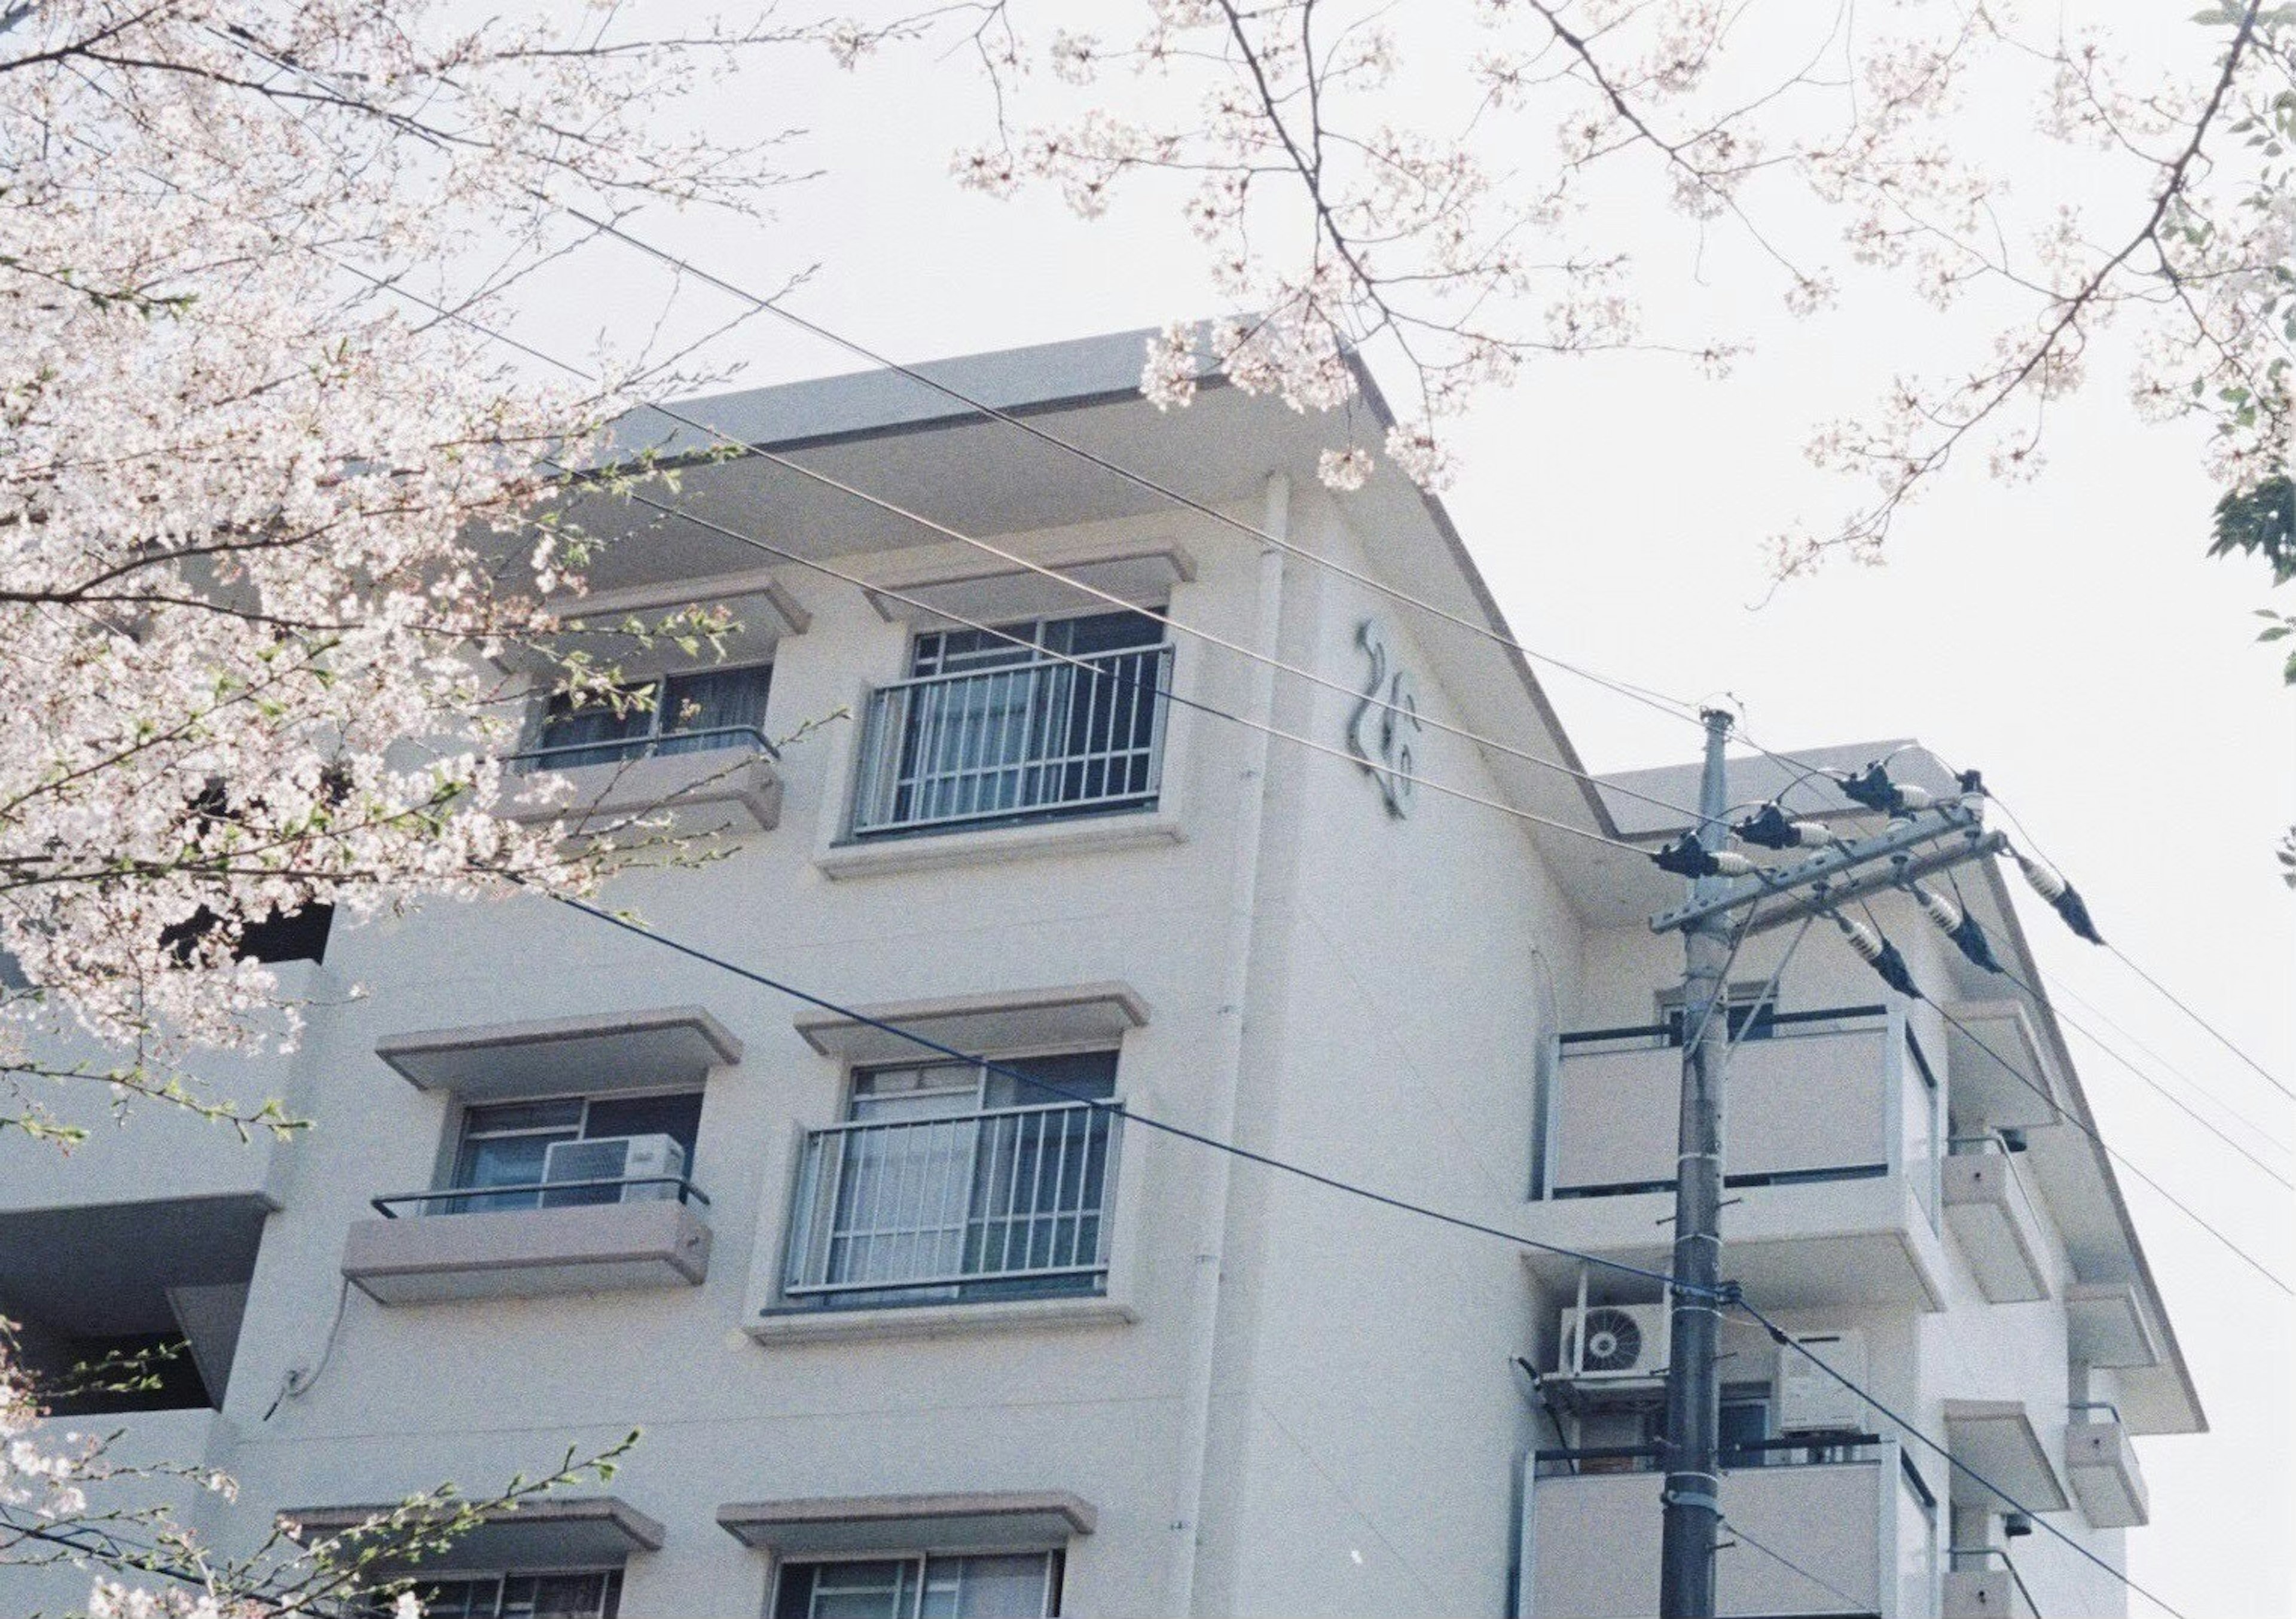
(939, 1320)
(1018, 1020)
(1992, 1219)
(1071, 834)
(640, 1048)
(2102, 1465)
(908, 1523)
(713, 791)
(526, 1253)
(551, 1532)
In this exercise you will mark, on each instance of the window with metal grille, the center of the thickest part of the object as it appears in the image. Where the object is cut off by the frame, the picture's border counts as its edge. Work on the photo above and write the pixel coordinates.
(1046, 718)
(952, 1181)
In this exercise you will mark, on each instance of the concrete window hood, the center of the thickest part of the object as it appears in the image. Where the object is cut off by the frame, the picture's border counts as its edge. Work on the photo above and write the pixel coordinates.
(2102, 1464)
(554, 1532)
(830, 1524)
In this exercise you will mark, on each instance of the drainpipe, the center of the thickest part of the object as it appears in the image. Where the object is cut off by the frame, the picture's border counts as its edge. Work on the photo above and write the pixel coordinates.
(1243, 899)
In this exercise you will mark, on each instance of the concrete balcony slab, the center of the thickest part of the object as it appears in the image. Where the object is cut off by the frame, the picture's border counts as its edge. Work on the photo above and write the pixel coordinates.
(528, 1252)
(1993, 1220)
(719, 790)
(2102, 1465)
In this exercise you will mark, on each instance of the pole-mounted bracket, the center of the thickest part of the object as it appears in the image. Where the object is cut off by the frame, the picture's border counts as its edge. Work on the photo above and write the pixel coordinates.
(1901, 838)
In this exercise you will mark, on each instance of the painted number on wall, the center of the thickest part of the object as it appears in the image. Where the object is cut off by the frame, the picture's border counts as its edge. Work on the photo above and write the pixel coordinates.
(1385, 723)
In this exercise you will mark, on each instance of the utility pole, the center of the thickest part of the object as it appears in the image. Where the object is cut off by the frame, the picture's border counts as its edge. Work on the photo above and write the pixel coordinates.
(1693, 1511)
(1924, 835)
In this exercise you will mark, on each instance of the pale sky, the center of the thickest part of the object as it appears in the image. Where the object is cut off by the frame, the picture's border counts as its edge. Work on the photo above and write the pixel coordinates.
(2067, 636)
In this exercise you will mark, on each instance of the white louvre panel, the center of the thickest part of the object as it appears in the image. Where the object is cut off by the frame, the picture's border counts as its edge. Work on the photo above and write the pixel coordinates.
(1610, 1342)
(618, 1158)
(1809, 1402)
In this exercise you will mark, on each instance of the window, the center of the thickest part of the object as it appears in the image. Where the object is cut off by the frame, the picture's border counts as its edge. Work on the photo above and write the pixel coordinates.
(1001, 1586)
(687, 713)
(591, 1594)
(506, 1144)
(1045, 718)
(952, 1181)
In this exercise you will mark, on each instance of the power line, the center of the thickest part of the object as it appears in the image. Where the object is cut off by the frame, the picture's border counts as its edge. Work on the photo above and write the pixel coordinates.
(1048, 654)
(1786, 1340)
(2166, 1094)
(2088, 1130)
(2171, 995)
(1116, 1110)
(2066, 992)
(1656, 699)
(1275, 732)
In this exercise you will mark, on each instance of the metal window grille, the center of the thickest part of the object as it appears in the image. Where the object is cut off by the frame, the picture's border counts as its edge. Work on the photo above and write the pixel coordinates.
(1008, 1195)
(1035, 739)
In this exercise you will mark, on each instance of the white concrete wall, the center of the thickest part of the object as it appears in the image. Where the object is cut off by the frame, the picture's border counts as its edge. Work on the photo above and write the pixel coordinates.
(1370, 1423)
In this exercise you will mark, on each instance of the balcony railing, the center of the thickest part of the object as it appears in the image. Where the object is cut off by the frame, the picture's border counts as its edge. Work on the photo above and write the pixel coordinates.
(1033, 740)
(624, 750)
(1803, 1449)
(541, 1194)
(1010, 1201)
(1812, 1095)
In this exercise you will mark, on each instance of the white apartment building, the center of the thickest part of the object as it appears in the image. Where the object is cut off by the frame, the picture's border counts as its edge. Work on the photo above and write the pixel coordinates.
(907, 1335)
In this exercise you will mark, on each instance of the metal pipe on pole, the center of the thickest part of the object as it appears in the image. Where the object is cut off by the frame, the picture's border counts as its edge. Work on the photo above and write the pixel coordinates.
(1692, 1507)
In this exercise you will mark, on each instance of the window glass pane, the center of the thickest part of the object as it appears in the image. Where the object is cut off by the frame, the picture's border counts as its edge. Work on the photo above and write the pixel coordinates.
(473, 1598)
(559, 1113)
(582, 1596)
(985, 1587)
(1102, 632)
(1077, 1074)
(880, 1589)
(709, 701)
(565, 725)
(954, 651)
(942, 1090)
(677, 1114)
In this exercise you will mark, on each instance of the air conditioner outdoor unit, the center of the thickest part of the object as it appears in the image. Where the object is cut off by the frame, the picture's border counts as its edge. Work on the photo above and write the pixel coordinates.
(1809, 1402)
(1607, 1342)
(613, 1157)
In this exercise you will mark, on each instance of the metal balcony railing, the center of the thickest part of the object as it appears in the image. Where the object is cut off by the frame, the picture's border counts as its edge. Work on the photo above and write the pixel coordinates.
(1805, 1450)
(623, 750)
(1012, 1196)
(1034, 739)
(541, 1194)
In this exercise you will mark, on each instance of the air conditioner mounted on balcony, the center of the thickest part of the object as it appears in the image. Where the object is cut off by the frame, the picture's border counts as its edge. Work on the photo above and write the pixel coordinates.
(1605, 1342)
(616, 1157)
(1810, 1401)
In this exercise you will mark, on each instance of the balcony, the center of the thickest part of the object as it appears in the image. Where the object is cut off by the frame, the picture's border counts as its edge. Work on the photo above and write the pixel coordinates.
(1829, 1157)
(1009, 1204)
(2102, 1465)
(159, 1150)
(1983, 1583)
(1994, 1221)
(1591, 1529)
(1034, 742)
(553, 1238)
(721, 778)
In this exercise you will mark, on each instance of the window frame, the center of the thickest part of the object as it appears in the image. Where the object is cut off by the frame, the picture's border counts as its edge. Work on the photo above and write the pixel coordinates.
(609, 1597)
(453, 1150)
(988, 1288)
(1055, 1559)
(658, 716)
